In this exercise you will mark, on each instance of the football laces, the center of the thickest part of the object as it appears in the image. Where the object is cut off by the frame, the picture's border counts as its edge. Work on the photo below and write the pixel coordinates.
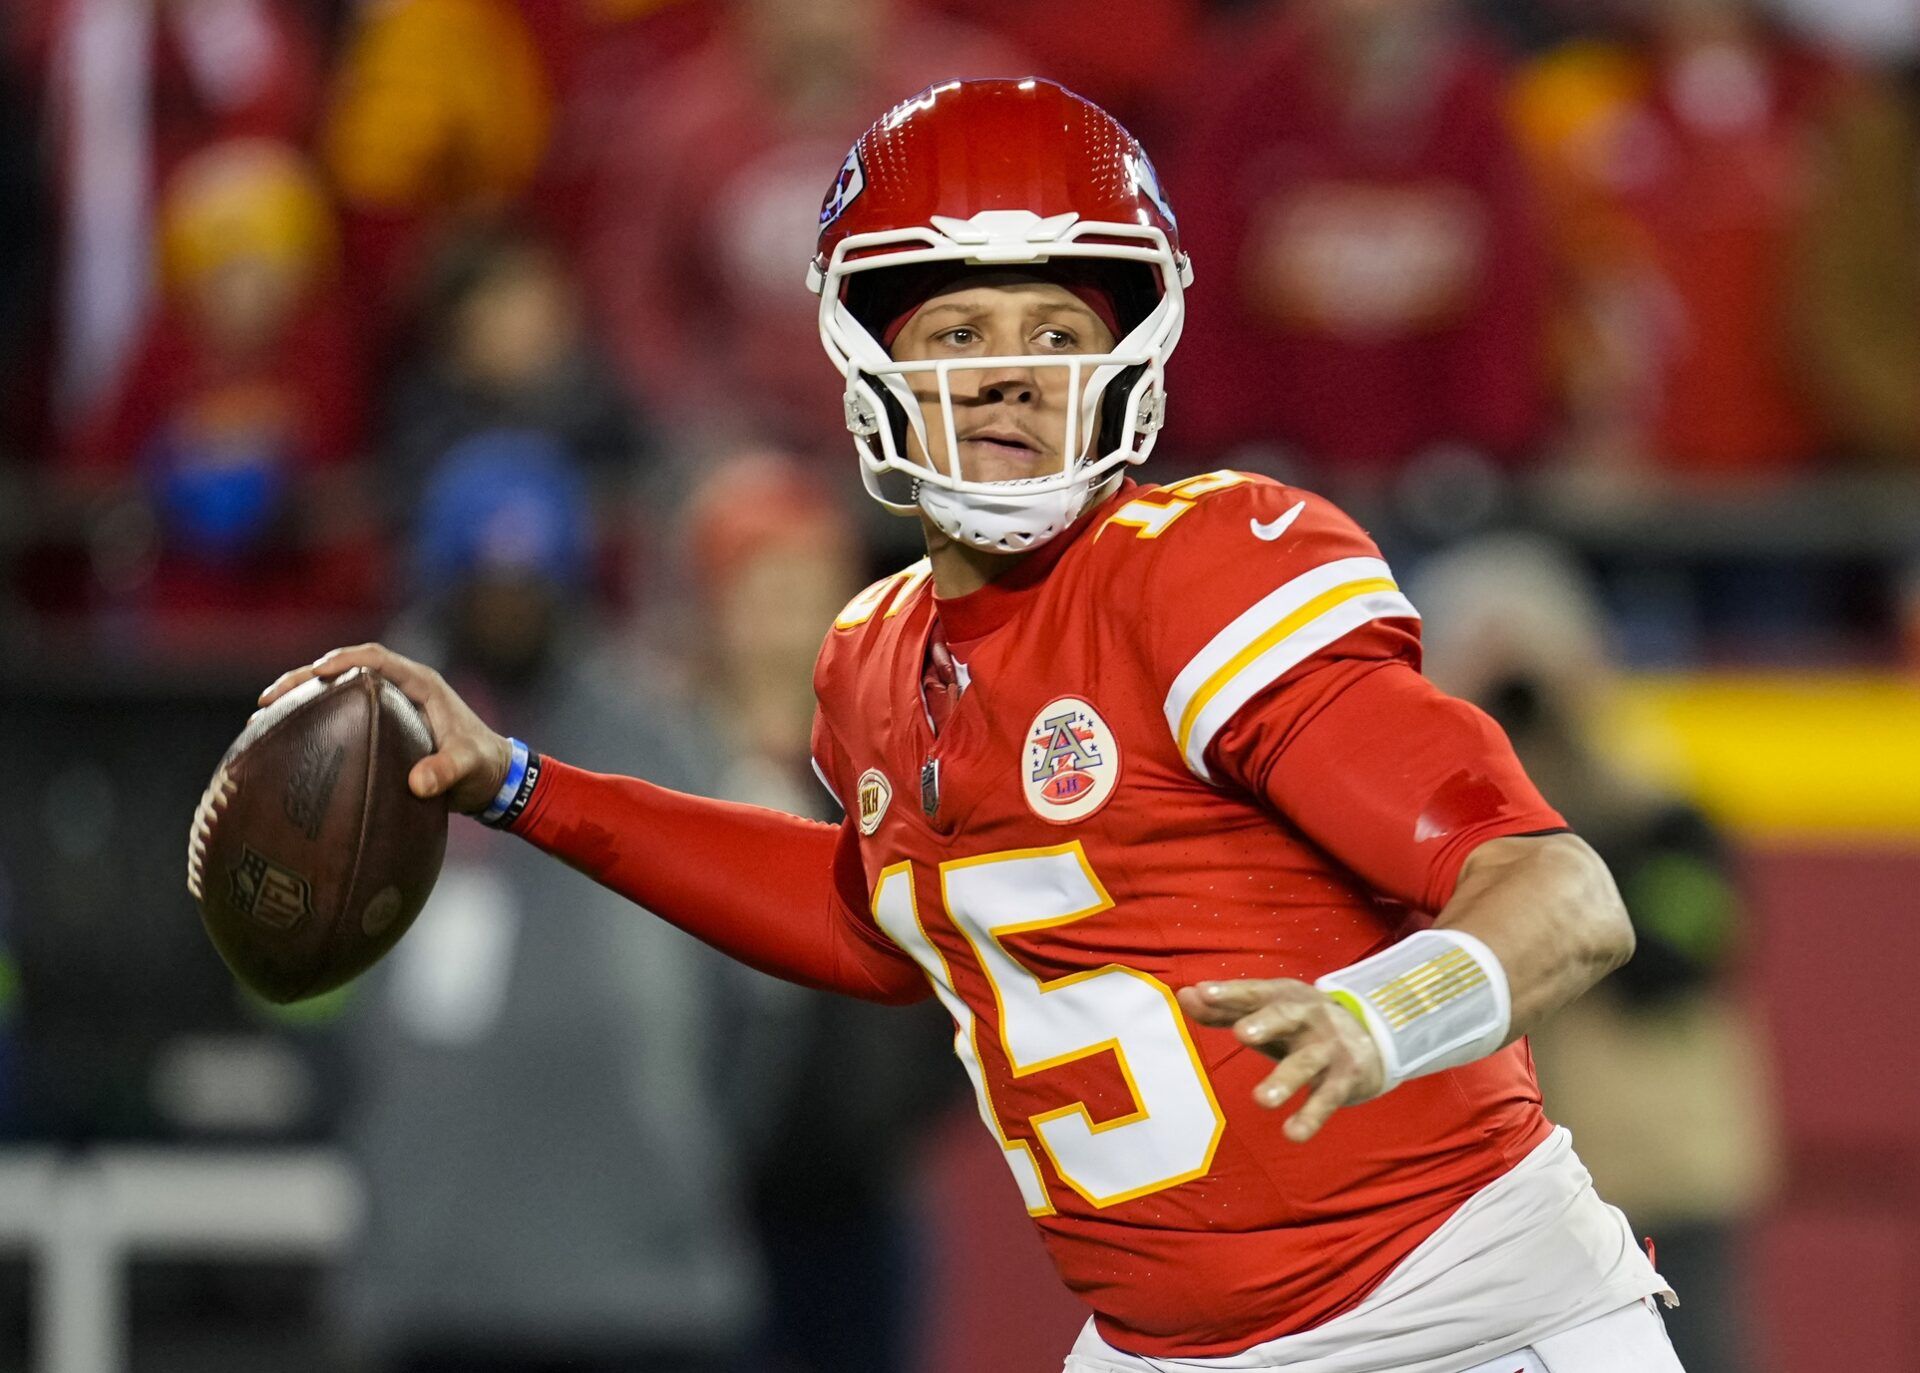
(212, 801)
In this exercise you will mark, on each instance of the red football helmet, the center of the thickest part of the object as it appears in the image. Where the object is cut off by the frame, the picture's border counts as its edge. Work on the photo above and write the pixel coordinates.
(999, 173)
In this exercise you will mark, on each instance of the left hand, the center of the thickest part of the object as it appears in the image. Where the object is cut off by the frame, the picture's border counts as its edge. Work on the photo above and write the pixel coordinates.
(1314, 1040)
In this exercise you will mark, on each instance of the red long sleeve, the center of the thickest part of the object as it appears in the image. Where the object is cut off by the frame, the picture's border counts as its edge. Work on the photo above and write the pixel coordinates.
(1375, 764)
(779, 893)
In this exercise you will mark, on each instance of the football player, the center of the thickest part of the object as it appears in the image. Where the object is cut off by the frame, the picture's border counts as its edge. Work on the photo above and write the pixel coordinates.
(1241, 923)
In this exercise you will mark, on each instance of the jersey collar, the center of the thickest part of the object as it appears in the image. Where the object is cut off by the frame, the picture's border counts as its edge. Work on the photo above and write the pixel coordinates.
(977, 614)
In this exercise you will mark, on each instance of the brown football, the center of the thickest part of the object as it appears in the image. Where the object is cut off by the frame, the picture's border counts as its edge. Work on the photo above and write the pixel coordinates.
(309, 855)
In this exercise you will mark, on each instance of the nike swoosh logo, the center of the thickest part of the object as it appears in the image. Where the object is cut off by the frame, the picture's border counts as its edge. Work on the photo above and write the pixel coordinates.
(1275, 528)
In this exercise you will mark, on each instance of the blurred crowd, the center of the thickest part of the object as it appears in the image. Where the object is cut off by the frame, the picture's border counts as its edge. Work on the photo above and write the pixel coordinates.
(480, 325)
(269, 263)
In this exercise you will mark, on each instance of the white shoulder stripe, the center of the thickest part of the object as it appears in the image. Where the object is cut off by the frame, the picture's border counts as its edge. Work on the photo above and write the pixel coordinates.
(1268, 611)
(821, 773)
(1269, 667)
(1278, 632)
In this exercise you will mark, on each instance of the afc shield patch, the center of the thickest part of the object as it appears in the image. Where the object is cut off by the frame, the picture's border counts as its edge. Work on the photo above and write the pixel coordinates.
(1070, 767)
(274, 895)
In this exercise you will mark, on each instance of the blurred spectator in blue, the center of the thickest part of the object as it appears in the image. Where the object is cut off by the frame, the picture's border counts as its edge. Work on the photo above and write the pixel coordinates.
(701, 215)
(132, 89)
(556, 1090)
(1660, 1072)
(502, 344)
(774, 560)
(236, 433)
(1677, 159)
(1371, 281)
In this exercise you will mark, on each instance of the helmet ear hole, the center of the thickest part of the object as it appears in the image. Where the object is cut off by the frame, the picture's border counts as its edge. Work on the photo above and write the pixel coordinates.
(892, 486)
(892, 413)
(1114, 402)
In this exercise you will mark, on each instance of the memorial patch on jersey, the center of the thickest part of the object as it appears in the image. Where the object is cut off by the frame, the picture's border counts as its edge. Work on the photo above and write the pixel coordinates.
(872, 797)
(1072, 762)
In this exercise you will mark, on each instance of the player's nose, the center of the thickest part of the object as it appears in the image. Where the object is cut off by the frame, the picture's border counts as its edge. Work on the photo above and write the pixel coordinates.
(1010, 386)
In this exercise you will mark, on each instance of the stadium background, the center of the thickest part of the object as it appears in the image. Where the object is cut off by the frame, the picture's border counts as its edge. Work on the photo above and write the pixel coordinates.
(479, 325)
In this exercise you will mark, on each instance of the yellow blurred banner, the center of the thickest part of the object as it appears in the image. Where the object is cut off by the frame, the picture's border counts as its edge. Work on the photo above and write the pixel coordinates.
(1788, 754)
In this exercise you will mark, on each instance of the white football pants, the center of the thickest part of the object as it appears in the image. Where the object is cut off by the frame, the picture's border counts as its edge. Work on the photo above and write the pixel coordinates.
(1630, 1340)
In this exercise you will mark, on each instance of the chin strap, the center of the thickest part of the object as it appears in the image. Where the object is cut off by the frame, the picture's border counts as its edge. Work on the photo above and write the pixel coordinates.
(1015, 521)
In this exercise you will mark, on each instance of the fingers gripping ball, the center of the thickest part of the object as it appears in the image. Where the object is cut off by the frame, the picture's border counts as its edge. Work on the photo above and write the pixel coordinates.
(309, 855)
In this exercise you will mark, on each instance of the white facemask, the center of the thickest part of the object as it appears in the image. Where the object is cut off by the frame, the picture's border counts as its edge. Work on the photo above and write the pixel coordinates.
(1001, 516)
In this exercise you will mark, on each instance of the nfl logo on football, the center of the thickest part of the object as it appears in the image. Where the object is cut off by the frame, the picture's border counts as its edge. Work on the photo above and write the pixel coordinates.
(1072, 763)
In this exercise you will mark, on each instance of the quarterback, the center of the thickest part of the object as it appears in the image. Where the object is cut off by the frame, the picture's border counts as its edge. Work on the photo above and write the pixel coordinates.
(1241, 923)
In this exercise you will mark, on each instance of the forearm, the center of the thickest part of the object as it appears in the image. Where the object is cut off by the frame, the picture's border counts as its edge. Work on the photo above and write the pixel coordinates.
(1548, 909)
(1534, 920)
(759, 885)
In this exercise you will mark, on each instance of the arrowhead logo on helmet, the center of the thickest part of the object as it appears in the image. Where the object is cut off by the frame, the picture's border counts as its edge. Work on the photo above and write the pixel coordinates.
(851, 181)
(1009, 174)
(1148, 181)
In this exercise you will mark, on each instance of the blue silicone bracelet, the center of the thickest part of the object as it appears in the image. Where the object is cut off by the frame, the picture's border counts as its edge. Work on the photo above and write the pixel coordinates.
(510, 788)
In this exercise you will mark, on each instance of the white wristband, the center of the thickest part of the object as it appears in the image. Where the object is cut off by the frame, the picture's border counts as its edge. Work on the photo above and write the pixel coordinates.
(1435, 1000)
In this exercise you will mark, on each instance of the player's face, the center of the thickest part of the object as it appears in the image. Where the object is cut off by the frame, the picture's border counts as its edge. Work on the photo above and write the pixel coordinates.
(1011, 421)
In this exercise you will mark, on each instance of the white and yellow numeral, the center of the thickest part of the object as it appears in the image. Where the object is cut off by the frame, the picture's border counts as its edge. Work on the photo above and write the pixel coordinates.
(1170, 1136)
(896, 912)
(860, 609)
(1150, 515)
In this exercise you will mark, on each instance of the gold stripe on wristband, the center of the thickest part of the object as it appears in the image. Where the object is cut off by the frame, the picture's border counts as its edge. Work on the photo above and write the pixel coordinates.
(1426, 988)
(1429, 995)
(1402, 1015)
(1415, 981)
(1419, 982)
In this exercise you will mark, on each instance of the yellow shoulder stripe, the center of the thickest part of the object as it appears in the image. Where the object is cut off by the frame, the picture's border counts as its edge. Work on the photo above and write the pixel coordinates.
(1282, 629)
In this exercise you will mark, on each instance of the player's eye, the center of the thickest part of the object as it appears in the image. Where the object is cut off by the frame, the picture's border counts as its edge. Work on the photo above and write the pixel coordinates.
(963, 336)
(1057, 340)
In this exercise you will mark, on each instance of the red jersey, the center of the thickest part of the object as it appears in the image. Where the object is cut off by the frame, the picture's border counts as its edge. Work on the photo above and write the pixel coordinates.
(1193, 744)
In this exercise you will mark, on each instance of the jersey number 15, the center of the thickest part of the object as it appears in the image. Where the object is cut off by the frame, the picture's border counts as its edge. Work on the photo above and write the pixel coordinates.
(1171, 1135)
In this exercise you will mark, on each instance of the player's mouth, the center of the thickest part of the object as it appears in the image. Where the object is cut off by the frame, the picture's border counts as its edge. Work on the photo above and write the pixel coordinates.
(1006, 442)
